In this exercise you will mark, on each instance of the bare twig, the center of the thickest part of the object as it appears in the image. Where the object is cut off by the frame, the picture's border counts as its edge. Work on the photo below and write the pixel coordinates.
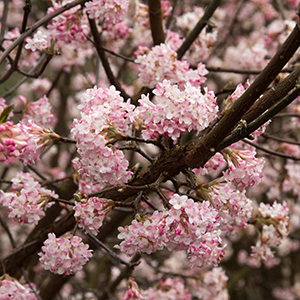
(198, 28)
(279, 154)
(98, 45)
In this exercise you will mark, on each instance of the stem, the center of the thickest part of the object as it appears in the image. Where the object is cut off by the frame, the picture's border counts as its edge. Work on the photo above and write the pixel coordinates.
(98, 44)
(198, 28)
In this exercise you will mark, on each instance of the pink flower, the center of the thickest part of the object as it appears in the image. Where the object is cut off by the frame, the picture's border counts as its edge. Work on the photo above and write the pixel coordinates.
(188, 225)
(161, 63)
(173, 112)
(64, 255)
(11, 288)
(28, 201)
(40, 112)
(90, 215)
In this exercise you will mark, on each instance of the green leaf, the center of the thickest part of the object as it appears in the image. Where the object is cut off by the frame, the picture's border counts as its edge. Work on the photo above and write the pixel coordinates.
(5, 113)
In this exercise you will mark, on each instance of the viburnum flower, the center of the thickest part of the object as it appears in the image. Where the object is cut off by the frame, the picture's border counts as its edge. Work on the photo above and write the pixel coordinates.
(70, 26)
(40, 112)
(233, 206)
(112, 11)
(37, 138)
(188, 225)
(104, 118)
(28, 201)
(275, 227)
(168, 289)
(173, 112)
(90, 214)
(38, 42)
(161, 63)
(132, 291)
(210, 285)
(65, 255)
(12, 141)
(11, 288)
(244, 168)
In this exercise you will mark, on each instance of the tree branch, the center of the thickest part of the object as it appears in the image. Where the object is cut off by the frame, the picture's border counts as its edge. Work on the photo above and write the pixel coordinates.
(98, 44)
(155, 17)
(198, 28)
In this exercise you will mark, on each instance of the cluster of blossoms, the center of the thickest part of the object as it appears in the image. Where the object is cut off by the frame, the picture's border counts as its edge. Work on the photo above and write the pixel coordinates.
(244, 168)
(132, 290)
(40, 112)
(233, 206)
(90, 214)
(12, 141)
(112, 11)
(188, 225)
(11, 288)
(173, 111)
(37, 138)
(161, 63)
(104, 118)
(214, 163)
(64, 255)
(38, 42)
(28, 202)
(275, 227)
(210, 285)
(70, 26)
(168, 289)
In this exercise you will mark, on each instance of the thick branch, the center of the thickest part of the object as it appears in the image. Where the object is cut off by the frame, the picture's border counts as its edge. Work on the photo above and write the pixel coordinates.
(272, 96)
(207, 147)
(155, 17)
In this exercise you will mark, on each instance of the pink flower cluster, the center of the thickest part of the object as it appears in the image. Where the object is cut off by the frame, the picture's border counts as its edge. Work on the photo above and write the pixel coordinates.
(214, 163)
(38, 42)
(161, 63)
(104, 117)
(173, 112)
(188, 225)
(90, 215)
(168, 289)
(64, 255)
(275, 221)
(244, 168)
(233, 206)
(70, 26)
(40, 112)
(11, 288)
(12, 141)
(37, 138)
(112, 11)
(132, 291)
(29, 201)
(212, 285)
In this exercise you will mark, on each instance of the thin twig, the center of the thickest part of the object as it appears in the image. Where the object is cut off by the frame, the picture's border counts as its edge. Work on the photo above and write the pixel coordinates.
(279, 154)
(102, 56)
(198, 28)
(31, 71)
(288, 141)
(100, 245)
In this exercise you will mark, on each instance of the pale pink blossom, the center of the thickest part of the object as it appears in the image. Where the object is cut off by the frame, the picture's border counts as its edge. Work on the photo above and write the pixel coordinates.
(65, 255)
